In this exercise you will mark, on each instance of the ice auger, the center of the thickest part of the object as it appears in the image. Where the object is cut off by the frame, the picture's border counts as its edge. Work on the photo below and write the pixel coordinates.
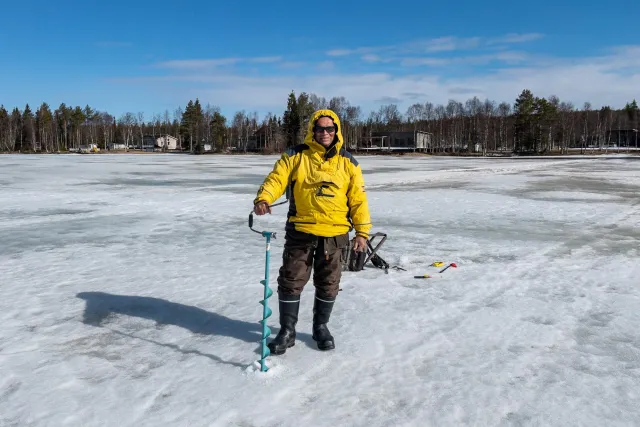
(266, 311)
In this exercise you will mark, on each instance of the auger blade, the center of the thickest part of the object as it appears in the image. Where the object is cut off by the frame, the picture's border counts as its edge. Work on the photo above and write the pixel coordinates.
(267, 332)
(268, 313)
(265, 351)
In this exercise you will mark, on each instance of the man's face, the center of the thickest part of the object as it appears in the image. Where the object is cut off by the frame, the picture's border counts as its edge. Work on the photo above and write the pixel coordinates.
(324, 131)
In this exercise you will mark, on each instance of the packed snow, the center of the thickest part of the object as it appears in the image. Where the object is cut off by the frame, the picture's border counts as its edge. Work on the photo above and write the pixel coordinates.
(131, 285)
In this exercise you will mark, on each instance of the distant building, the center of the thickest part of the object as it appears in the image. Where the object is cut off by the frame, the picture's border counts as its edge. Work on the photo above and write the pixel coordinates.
(258, 141)
(398, 141)
(151, 142)
(89, 148)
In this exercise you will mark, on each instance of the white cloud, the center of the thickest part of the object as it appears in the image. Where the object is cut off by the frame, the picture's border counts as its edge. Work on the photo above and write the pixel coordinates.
(197, 63)
(189, 64)
(441, 44)
(370, 57)
(265, 59)
(432, 62)
(372, 54)
(436, 45)
(506, 57)
(610, 79)
(512, 38)
(359, 51)
(437, 52)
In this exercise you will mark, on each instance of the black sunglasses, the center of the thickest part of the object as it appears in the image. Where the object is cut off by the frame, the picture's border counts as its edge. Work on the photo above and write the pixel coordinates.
(321, 129)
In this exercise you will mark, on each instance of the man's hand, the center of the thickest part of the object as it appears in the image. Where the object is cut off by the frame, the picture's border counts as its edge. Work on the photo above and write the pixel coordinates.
(262, 208)
(360, 244)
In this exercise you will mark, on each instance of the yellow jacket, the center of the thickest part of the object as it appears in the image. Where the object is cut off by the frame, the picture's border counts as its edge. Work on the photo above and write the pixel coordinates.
(327, 196)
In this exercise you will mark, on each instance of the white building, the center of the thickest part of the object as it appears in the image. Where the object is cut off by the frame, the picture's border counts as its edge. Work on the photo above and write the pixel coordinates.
(171, 142)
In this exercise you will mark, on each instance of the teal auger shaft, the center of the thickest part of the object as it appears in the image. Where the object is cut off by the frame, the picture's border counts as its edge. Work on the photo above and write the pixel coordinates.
(266, 311)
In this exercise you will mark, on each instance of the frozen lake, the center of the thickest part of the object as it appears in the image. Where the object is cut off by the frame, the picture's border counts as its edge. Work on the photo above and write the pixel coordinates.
(130, 288)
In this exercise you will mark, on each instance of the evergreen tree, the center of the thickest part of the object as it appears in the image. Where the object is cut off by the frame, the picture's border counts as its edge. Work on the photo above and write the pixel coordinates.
(186, 123)
(198, 122)
(544, 117)
(28, 136)
(62, 115)
(524, 109)
(633, 115)
(296, 117)
(306, 108)
(16, 129)
(4, 130)
(218, 130)
(291, 122)
(44, 122)
(191, 122)
(632, 112)
(77, 120)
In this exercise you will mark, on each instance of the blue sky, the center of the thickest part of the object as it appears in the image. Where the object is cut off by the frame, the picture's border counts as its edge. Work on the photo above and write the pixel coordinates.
(148, 56)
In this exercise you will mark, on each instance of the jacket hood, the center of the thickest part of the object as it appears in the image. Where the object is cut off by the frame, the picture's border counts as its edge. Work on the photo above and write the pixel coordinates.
(338, 140)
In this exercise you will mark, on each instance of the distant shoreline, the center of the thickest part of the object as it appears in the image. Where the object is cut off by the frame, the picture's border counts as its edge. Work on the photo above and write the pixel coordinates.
(631, 151)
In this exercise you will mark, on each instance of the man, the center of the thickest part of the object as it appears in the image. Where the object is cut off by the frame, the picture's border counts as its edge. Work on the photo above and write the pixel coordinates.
(327, 200)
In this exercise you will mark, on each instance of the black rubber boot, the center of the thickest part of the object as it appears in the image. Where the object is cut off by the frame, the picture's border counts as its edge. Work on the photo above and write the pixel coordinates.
(289, 307)
(321, 313)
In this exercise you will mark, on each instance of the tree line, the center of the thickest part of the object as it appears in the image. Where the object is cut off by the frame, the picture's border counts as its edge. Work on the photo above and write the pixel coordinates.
(532, 124)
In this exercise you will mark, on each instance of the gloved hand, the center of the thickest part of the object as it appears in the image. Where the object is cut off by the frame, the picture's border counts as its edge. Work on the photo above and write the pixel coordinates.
(262, 208)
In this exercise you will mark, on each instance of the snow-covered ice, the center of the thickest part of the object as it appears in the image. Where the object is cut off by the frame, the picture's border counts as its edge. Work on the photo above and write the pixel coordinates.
(130, 288)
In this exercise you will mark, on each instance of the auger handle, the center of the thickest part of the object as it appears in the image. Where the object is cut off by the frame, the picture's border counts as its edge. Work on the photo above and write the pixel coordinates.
(263, 233)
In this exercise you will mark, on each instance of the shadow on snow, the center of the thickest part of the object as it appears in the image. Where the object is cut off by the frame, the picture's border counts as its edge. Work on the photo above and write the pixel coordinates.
(100, 306)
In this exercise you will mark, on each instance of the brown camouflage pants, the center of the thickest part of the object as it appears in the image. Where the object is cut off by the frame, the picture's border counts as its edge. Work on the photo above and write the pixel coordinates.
(304, 252)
